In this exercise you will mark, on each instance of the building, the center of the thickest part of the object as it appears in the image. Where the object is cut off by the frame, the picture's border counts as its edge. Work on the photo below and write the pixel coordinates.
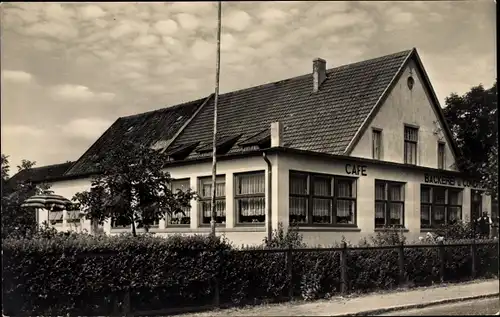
(340, 152)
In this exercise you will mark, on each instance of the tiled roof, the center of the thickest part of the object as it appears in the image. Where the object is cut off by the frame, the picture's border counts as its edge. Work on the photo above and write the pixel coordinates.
(40, 174)
(325, 121)
(149, 129)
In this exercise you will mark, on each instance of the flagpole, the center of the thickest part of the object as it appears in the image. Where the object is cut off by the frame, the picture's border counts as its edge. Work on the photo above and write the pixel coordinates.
(216, 100)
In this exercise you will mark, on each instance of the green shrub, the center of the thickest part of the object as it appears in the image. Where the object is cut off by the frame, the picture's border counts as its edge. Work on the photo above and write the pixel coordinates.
(56, 274)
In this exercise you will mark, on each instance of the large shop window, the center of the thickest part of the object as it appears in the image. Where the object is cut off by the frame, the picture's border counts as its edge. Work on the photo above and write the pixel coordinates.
(389, 204)
(183, 217)
(439, 206)
(205, 193)
(250, 200)
(411, 141)
(322, 199)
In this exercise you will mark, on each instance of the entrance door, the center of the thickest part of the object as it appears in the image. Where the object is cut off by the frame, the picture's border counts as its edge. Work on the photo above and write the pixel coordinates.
(476, 204)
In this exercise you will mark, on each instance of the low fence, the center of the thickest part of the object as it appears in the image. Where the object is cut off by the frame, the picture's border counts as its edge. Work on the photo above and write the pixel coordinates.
(127, 308)
(271, 275)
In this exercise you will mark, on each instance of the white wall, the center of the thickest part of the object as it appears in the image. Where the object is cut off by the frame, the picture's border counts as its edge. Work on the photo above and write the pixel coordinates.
(281, 165)
(365, 197)
(405, 106)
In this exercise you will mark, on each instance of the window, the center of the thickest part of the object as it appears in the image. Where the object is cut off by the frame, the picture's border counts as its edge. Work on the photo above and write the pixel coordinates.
(73, 216)
(441, 158)
(205, 193)
(439, 206)
(183, 216)
(56, 217)
(411, 140)
(250, 197)
(389, 204)
(377, 144)
(118, 223)
(322, 199)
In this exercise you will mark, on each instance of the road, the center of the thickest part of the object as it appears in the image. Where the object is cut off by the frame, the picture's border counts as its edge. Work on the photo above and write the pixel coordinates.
(483, 307)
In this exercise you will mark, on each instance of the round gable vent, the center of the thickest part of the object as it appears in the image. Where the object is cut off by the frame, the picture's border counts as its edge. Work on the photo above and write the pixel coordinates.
(410, 82)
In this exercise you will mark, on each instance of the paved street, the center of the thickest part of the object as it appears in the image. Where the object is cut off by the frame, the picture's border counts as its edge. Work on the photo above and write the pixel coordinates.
(472, 308)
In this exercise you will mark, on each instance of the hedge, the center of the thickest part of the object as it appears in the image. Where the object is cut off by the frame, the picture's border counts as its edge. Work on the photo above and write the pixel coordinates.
(86, 275)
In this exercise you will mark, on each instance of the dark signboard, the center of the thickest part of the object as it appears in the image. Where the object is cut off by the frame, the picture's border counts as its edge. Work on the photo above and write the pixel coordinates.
(449, 180)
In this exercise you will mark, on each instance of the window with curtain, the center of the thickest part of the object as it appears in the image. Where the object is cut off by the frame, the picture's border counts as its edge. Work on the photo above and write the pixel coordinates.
(441, 159)
(299, 197)
(250, 189)
(377, 144)
(410, 146)
(439, 206)
(183, 216)
(205, 194)
(389, 204)
(322, 199)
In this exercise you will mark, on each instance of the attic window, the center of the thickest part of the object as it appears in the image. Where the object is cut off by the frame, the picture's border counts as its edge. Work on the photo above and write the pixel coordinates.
(410, 82)
(223, 144)
(130, 129)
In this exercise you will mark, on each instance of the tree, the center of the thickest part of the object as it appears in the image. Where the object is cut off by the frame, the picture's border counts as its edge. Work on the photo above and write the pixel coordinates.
(132, 188)
(17, 220)
(473, 121)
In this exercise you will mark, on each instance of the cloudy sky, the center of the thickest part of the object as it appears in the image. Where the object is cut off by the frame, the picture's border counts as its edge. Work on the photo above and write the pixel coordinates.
(70, 70)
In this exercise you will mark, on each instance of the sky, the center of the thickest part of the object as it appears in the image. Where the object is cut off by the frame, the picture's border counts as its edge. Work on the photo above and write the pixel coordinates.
(69, 70)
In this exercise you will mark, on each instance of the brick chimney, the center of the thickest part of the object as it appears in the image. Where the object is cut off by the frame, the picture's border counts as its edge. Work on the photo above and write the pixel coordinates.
(319, 73)
(276, 134)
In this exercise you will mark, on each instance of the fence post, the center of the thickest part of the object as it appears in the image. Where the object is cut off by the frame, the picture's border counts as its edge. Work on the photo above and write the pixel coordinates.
(441, 260)
(289, 270)
(473, 253)
(127, 309)
(343, 269)
(401, 263)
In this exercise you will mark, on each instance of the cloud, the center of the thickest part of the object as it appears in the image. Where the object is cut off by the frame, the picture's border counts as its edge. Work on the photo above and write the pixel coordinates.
(127, 27)
(273, 16)
(201, 50)
(227, 42)
(188, 21)
(79, 93)
(146, 40)
(87, 128)
(236, 20)
(17, 76)
(92, 11)
(196, 8)
(166, 27)
(21, 130)
(52, 29)
(257, 37)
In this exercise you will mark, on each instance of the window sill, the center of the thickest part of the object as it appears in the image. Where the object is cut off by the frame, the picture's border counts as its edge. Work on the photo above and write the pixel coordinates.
(391, 229)
(329, 228)
(428, 229)
(207, 229)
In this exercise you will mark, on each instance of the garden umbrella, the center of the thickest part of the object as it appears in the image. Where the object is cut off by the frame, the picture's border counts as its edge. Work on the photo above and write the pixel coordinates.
(49, 201)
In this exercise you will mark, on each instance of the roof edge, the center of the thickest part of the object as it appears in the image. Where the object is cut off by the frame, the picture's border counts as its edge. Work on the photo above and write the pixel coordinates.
(90, 147)
(437, 106)
(287, 150)
(378, 104)
(188, 121)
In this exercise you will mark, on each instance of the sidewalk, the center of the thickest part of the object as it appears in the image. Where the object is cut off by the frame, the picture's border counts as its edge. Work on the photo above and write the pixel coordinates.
(366, 304)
